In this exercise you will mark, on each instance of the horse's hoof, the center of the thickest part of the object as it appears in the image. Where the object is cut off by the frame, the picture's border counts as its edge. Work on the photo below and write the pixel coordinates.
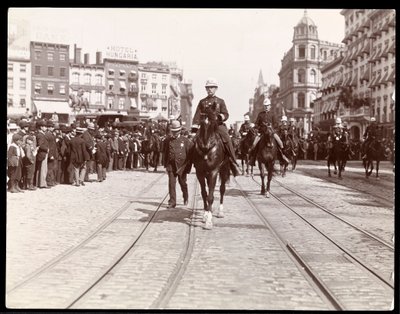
(283, 174)
(208, 225)
(220, 214)
(267, 195)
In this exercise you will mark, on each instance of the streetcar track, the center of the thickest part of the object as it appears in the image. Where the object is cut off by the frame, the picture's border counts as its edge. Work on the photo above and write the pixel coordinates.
(173, 281)
(126, 250)
(367, 233)
(347, 252)
(322, 290)
(32, 276)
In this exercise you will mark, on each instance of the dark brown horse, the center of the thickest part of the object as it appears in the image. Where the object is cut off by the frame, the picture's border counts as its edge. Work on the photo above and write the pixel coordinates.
(245, 144)
(151, 149)
(375, 152)
(266, 155)
(209, 159)
(337, 157)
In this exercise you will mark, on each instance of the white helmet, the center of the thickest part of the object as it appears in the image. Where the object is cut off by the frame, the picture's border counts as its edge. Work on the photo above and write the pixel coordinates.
(292, 120)
(252, 125)
(338, 121)
(246, 118)
(373, 119)
(267, 102)
(211, 82)
(284, 118)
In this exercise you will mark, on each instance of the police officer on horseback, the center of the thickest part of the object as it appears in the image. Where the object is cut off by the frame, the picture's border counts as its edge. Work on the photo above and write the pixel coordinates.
(266, 119)
(245, 127)
(218, 106)
(369, 135)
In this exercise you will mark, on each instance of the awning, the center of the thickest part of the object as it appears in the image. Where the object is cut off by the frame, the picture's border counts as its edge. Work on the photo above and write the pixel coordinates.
(122, 85)
(339, 79)
(383, 79)
(391, 76)
(353, 81)
(374, 80)
(365, 76)
(44, 106)
(324, 107)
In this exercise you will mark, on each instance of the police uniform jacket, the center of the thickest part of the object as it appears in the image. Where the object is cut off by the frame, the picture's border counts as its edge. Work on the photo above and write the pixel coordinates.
(265, 118)
(371, 131)
(101, 153)
(216, 104)
(176, 151)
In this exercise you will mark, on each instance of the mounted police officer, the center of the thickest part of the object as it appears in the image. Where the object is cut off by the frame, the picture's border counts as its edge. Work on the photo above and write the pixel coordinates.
(266, 119)
(218, 106)
(370, 134)
(245, 127)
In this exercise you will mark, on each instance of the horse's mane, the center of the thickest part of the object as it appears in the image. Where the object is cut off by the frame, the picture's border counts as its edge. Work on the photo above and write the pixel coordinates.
(213, 124)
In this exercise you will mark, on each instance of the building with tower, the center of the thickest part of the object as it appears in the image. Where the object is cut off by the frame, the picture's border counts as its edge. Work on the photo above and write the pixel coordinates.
(300, 73)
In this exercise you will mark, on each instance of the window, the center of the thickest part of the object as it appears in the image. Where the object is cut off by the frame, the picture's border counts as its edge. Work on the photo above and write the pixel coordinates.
(50, 71)
(50, 56)
(10, 82)
(312, 52)
(143, 88)
(37, 69)
(301, 74)
(121, 103)
(10, 67)
(22, 83)
(110, 102)
(22, 101)
(97, 97)
(144, 76)
(302, 51)
(122, 72)
(164, 89)
(110, 85)
(300, 100)
(110, 72)
(164, 77)
(38, 55)
(38, 88)
(313, 76)
(153, 88)
(50, 89)
(325, 55)
(86, 78)
(75, 78)
(154, 76)
(22, 68)
(62, 89)
(62, 56)
(99, 79)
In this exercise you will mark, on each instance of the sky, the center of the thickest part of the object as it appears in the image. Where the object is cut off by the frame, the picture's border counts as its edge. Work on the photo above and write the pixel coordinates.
(231, 45)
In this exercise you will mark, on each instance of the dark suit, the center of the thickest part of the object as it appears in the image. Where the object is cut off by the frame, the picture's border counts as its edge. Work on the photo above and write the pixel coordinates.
(52, 159)
(101, 158)
(176, 151)
(79, 156)
(41, 160)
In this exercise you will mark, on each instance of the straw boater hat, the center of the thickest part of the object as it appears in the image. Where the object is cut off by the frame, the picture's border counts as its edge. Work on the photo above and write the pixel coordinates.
(176, 126)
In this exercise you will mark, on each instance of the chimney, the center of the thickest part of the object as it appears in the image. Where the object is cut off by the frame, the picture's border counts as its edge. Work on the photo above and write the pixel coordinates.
(86, 58)
(77, 56)
(98, 57)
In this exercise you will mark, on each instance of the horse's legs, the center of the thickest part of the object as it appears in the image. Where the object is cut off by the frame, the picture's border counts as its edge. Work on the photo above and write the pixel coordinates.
(211, 182)
(377, 169)
(202, 182)
(224, 175)
(269, 178)
(329, 168)
(340, 168)
(262, 175)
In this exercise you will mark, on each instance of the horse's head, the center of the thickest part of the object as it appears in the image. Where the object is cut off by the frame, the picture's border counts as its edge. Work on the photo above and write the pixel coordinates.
(207, 138)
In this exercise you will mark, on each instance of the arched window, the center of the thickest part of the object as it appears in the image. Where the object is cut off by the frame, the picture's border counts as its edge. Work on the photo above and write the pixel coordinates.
(301, 99)
(313, 76)
(301, 76)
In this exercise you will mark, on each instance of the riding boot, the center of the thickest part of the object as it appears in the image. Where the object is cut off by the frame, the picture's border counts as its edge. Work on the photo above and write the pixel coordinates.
(283, 155)
(232, 159)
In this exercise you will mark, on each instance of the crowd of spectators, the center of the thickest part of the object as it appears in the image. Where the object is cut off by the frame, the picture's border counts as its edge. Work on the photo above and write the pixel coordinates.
(44, 153)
